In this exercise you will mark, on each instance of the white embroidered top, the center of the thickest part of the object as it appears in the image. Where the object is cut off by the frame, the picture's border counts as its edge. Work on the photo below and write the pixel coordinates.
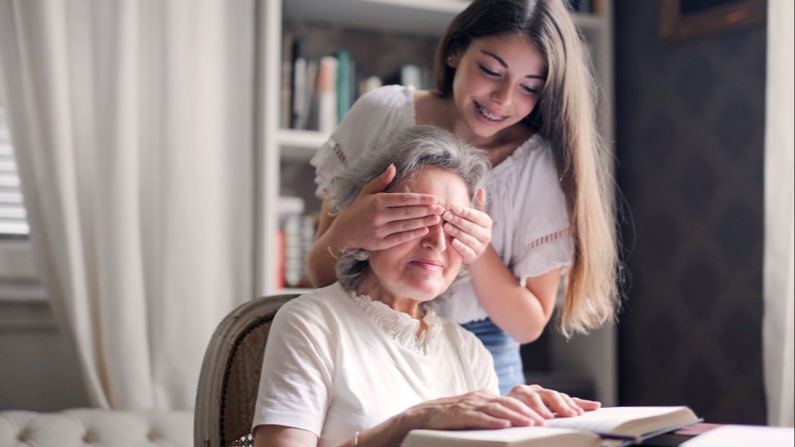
(336, 362)
(523, 194)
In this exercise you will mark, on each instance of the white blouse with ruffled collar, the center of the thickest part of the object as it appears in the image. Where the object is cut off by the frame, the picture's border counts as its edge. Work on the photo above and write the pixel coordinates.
(401, 326)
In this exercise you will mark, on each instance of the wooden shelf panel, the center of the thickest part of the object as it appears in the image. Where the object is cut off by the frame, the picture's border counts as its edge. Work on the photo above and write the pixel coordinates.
(421, 17)
(300, 144)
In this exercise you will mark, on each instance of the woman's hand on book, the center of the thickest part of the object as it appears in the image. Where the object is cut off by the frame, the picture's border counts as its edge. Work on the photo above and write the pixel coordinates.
(478, 410)
(551, 403)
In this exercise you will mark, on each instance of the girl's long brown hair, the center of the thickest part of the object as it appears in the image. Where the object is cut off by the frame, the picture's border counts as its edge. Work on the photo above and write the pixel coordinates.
(566, 116)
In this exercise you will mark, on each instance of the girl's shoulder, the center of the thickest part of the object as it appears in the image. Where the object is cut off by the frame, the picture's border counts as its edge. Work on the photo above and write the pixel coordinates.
(388, 97)
(378, 111)
(431, 108)
(532, 153)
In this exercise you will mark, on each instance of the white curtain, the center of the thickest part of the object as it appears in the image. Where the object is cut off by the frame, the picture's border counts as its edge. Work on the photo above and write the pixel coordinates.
(779, 261)
(133, 123)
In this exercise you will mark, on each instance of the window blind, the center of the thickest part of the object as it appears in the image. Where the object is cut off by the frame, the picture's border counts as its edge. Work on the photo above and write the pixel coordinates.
(13, 220)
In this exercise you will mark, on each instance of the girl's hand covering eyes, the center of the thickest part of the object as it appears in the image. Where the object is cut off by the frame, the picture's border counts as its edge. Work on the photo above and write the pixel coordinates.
(377, 220)
(470, 228)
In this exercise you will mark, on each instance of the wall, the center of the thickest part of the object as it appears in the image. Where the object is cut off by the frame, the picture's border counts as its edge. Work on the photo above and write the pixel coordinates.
(38, 366)
(689, 143)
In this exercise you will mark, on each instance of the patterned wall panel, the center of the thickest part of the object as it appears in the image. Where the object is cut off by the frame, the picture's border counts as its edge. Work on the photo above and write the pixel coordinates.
(690, 143)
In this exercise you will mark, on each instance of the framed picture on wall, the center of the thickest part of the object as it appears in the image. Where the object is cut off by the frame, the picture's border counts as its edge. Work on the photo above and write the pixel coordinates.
(685, 19)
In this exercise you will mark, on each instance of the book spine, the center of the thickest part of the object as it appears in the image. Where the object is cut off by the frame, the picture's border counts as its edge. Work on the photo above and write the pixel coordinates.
(370, 83)
(312, 74)
(327, 94)
(298, 86)
(410, 75)
(343, 83)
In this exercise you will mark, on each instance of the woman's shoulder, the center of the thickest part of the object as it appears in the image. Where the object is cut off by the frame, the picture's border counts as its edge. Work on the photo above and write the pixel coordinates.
(319, 303)
(461, 337)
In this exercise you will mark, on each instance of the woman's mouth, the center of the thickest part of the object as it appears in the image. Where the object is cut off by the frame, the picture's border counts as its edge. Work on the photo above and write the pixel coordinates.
(488, 115)
(428, 264)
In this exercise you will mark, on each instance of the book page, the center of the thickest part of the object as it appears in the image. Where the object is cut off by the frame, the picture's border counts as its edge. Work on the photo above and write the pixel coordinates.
(506, 436)
(607, 420)
(743, 436)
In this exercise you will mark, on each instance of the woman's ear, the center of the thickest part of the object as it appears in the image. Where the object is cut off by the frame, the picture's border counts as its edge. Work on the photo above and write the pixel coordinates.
(452, 59)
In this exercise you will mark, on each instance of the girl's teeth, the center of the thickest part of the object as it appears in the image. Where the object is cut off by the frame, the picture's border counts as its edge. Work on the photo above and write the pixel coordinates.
(488, 115)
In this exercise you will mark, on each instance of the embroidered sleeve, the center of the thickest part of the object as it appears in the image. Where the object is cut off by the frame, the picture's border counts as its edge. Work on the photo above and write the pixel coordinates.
(544, 254)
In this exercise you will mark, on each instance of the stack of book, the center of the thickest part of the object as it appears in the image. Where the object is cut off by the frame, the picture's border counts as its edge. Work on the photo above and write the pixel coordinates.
(322, 89)
(296, 235)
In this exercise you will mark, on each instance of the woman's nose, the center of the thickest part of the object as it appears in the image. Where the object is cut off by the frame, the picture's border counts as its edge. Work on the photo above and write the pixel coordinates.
(501, 93)
(435, 239)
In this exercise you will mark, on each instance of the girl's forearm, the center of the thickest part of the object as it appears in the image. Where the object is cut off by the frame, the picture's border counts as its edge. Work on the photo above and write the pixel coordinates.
(321, 261)
(523, 312)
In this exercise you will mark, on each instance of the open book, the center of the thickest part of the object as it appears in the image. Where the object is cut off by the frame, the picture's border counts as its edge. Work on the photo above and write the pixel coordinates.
(613, 426)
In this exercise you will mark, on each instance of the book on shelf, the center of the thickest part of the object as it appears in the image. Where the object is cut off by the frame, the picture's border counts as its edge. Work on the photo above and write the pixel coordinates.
(410, 74)
(327, 94)
(610, 426)
(298, 86)
(318, 90)
(345, 76)
(369, 83)
(296, 236)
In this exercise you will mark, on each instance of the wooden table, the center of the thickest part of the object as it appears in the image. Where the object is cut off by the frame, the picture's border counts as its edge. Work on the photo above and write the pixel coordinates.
(674, 439)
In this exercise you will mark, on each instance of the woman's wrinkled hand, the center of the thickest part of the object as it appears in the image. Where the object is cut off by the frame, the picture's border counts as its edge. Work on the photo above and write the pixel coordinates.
(551, 403)
(470, 228)
(377, 220)
(477, 410)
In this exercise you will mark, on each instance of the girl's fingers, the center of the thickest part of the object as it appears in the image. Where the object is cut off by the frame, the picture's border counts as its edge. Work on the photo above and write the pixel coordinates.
(406, 213)
(481, 232)
(467, 253)
(467, 238)
(400, 199)
(473, 215)
(397, 228)
(401, 237)
(380, 183)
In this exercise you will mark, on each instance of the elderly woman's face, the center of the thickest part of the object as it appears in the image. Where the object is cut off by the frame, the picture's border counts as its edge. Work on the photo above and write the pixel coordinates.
(423, 268)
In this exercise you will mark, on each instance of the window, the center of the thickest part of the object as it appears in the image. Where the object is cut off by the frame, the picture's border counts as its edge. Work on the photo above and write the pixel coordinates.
(13, 221)
(18, 277)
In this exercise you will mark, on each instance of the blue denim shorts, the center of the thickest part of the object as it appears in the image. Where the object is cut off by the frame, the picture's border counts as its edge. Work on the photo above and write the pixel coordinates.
(504, 350)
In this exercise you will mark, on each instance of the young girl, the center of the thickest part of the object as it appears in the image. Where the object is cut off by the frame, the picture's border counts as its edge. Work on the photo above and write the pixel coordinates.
(512, 79)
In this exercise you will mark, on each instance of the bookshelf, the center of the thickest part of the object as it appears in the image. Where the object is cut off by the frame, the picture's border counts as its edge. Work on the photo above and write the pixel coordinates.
(283, 153)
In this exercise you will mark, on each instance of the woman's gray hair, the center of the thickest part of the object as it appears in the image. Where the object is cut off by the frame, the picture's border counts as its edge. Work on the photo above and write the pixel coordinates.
(410, 150)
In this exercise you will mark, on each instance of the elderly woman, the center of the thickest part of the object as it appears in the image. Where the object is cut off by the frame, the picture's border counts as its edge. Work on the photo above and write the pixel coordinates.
(362, 362)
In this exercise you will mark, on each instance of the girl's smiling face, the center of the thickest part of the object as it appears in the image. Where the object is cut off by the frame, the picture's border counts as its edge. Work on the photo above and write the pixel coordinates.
(421, 269)
(497, 83)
